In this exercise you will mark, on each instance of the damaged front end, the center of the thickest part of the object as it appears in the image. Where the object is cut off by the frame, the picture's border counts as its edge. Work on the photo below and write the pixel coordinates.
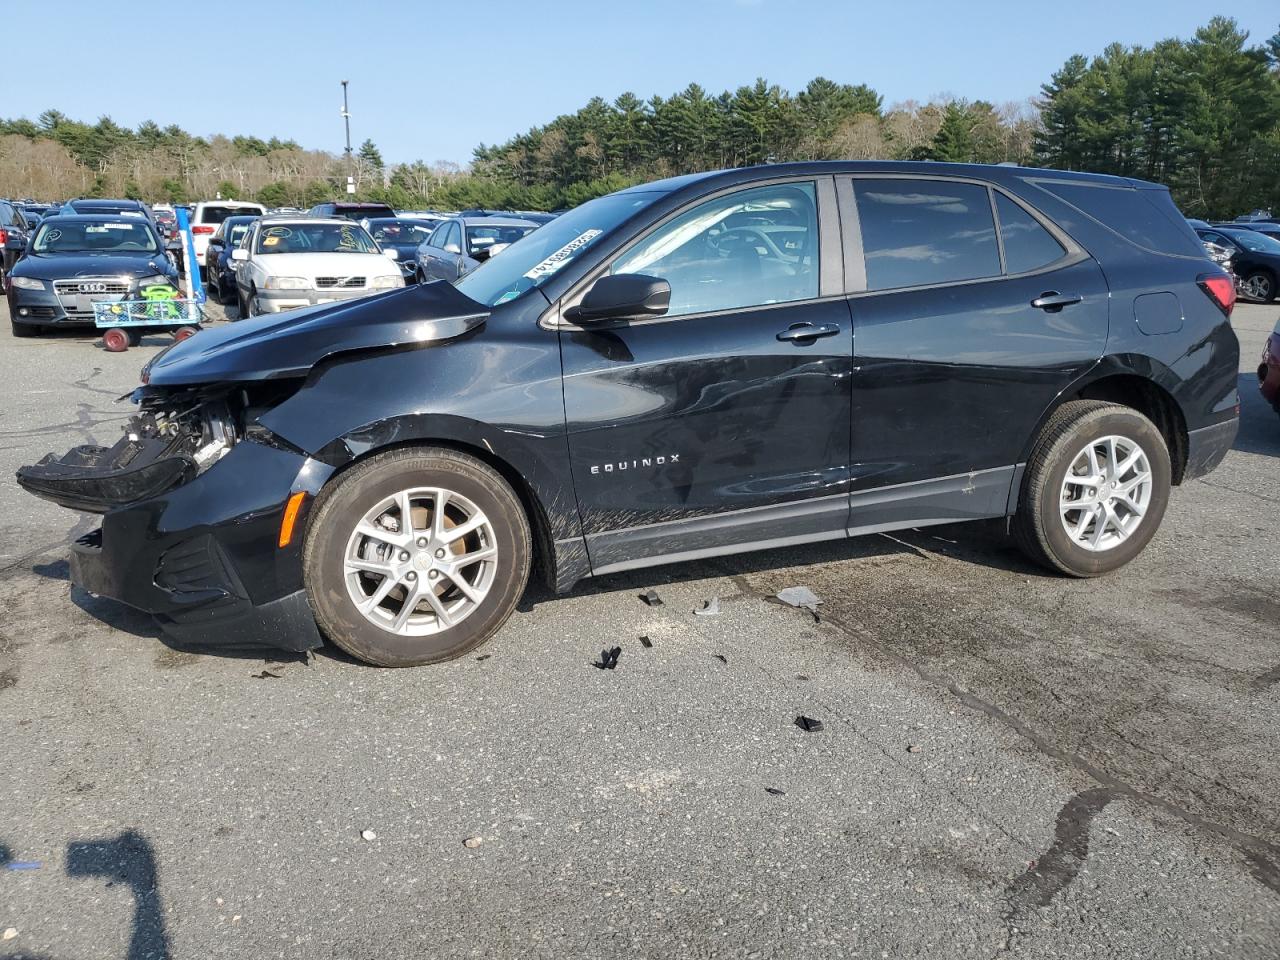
(176, 436)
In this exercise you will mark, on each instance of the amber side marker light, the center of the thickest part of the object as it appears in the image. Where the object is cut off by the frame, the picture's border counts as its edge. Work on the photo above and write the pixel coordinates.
(290, 517)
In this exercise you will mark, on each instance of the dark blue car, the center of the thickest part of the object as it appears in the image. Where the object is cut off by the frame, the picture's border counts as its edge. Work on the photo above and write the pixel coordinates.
(404, 235)
(218, 266)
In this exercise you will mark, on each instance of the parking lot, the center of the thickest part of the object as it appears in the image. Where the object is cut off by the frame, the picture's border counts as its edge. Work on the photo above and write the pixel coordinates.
(1009, 761)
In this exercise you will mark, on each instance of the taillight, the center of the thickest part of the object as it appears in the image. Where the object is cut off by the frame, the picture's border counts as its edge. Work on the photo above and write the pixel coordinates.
(1219, 288)
(202, 229)
(4, 235)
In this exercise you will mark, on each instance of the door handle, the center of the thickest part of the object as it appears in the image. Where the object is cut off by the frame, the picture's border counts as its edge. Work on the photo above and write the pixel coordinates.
(1051, 301)
(807, 331)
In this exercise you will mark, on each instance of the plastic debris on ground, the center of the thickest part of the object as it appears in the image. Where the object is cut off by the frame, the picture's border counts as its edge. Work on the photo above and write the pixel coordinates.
(483, 657)
(722, 658)
(913, 748)
(472, 842)
(23, 865)
(608, 659)
(651, 598)
(368, 835)
(709, 608)
(266, 675)
(808, 724)
(774, 791)
(801, 597)
(646, 642)
(10, 933)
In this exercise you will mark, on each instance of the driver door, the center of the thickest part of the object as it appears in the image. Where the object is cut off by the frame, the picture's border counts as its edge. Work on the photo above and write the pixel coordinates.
(723, 425)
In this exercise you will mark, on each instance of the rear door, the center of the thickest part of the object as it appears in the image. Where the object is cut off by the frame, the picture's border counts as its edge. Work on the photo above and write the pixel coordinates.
(723, 425)
(971, 314)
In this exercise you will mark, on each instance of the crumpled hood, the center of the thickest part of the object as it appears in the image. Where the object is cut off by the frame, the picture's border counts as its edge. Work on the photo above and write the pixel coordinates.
(289, 344)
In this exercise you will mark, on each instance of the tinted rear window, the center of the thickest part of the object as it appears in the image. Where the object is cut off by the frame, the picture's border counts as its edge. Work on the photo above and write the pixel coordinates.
(213, 214)
(1027, 245)
(918, 232)
(1137, 215)
(359, 212)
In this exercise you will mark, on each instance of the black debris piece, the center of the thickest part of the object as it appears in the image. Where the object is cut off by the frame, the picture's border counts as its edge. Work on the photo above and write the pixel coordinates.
(722, 658)
(808, 724)
(775, 792)
(651, 598)
(266, 675)
(646, 642)
(483, 657)
(608, 659)
(802, 676)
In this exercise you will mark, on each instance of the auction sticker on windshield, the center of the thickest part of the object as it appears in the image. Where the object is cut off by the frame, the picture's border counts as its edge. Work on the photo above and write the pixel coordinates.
(562, 256)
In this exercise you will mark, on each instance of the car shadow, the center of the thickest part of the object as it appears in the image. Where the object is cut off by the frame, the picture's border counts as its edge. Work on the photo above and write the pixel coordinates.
(125, 860)
(1259, 423)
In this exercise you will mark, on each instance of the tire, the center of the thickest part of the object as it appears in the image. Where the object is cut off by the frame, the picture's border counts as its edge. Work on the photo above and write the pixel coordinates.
(135, 336)
(115, 340)
(215, 288)
(251, 304)
(23, 329)
(1040, 524)
(1259, 286)
(332, 543)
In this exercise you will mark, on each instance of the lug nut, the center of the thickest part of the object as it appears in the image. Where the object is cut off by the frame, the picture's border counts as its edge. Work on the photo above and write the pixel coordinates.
(432, 575)
(439, 554)
(422, 541)
(404, 555)
(411, 576)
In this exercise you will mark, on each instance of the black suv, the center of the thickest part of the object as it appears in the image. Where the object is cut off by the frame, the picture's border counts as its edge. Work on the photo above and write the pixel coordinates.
(14, 230)
(700, 366)
(351, 210)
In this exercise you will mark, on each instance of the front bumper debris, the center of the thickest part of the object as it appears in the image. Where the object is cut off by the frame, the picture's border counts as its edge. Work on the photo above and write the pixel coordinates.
(94, 479)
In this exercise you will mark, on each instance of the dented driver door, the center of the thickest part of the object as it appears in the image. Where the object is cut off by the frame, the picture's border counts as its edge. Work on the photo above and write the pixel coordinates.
(724, 425)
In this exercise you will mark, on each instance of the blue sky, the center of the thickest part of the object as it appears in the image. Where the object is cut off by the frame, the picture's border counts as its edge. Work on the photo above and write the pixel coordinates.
(431, 79)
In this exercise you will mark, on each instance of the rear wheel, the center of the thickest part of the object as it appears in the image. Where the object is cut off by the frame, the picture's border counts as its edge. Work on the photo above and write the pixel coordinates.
(415, 556)
(1095, 489)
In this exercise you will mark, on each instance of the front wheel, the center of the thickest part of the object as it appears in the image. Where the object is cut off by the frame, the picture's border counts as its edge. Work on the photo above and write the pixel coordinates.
(1259, 286)
(415, 556)
(1095, 489)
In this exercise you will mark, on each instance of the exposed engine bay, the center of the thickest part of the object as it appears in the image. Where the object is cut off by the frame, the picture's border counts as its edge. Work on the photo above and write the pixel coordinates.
(176, 436)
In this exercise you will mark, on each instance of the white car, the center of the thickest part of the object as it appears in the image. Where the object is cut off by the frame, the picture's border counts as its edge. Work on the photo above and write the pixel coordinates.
(208, 216)
(287, 262)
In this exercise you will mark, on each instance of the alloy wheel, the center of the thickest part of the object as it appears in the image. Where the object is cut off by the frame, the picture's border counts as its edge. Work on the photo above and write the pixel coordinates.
(1105, 493)
(420, 561)
(1258, 287)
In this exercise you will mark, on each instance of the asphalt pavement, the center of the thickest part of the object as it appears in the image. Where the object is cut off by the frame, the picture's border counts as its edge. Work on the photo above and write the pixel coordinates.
(1009, 761)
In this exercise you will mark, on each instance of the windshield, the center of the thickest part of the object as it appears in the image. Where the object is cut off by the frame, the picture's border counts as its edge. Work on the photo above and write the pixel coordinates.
(483, 237)
(315, 238)
(401, 231)
(95, 236)
(543, 253)
(1252, 240)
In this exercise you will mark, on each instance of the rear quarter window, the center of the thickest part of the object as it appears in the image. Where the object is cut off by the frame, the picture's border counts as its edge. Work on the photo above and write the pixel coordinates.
(1138, 215)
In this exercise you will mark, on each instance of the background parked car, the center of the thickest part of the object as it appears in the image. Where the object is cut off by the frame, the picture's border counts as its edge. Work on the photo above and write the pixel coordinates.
(218, 265)
(1267, 228)
(107, 207)
(13, 237)
(403, 235)
(288, 262)
(460, 244)
(352, 210)
(74, 261)
(1255, 259)
(208, 215)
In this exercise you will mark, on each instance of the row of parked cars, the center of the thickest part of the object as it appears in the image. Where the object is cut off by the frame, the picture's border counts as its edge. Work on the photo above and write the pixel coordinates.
(58, 260)
(1250, 249)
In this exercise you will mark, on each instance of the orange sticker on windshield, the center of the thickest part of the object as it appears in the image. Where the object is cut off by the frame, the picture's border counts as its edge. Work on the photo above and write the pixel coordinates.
(270, 241)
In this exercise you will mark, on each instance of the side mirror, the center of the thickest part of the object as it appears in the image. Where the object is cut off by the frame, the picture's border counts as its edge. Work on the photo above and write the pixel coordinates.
(622, 296)
(240, 254)
(391, 253)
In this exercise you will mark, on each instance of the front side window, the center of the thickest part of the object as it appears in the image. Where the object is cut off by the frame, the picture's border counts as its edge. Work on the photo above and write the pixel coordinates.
(1027, 244)
(745, 249)
(921, 232)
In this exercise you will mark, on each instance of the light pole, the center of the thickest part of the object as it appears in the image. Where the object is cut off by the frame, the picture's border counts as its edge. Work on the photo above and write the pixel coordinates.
(346, 120)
